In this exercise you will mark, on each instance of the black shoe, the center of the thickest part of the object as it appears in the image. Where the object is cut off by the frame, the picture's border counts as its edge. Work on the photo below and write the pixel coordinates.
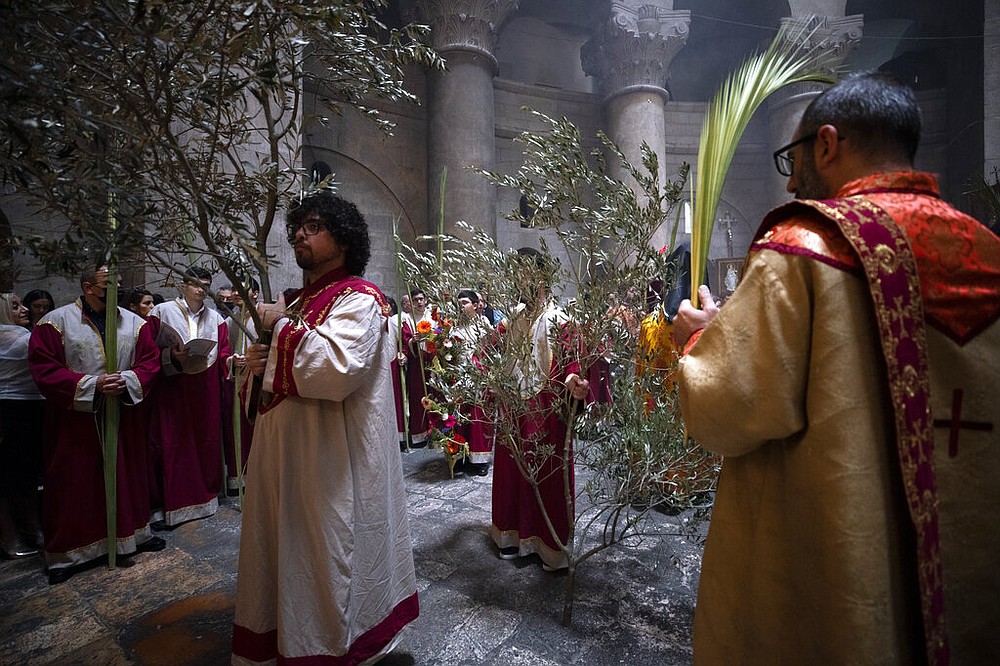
(18, 549)
(60, 575)
(151, 545)
(509, 553)
(477, 469)
(161, 526)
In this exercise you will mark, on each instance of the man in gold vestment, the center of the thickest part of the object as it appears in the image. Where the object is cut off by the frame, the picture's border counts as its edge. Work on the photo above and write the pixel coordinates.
(850, 527)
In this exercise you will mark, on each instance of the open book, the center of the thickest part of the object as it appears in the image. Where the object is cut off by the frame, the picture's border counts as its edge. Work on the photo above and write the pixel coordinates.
(169, 338)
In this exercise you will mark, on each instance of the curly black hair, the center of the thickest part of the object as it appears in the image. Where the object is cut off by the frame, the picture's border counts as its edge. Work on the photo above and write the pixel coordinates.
(344, 222)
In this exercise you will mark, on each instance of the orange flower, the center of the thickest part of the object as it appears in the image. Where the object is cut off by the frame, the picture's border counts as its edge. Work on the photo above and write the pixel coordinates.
(452, 447)
(423, 326)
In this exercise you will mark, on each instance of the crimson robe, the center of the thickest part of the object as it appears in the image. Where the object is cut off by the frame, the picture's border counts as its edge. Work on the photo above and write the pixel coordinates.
(518, 520)
(186, 423)
(66, 355)
(416, 386)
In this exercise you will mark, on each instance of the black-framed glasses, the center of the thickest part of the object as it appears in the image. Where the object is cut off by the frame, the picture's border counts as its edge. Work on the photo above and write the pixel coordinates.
(784, 162)
(308, 228)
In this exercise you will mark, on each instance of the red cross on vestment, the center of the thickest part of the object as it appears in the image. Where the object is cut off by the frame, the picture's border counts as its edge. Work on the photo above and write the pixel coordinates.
(955, 423)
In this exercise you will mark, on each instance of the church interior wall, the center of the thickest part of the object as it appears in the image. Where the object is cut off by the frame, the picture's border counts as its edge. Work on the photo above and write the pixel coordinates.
(583, 109)
(932, 155)
(538, 56)
(544, 55)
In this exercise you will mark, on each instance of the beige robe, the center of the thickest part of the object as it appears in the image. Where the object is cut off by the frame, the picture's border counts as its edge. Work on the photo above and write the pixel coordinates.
(805, 562)
(809, 557)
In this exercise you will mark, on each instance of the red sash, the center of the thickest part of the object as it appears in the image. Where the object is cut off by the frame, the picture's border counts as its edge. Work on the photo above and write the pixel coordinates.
(308, 309)
(891, 269)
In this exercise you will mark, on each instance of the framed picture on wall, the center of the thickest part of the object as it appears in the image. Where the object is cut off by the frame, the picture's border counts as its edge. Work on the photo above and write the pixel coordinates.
(728, 274)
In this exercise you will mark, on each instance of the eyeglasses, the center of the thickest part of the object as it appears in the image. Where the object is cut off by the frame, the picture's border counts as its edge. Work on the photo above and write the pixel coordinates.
(784, 162)
(308, 228)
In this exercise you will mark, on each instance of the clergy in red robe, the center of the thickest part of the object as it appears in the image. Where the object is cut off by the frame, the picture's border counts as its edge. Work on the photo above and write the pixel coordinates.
(548, 376)
(66, 356)
(326, 565)
(416, 368)
(851, 384)
(186, 424)
(472, 330)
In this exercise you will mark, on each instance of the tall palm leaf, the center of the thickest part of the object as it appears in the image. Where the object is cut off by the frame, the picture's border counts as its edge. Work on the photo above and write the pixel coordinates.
(784, 62)
(111, 404)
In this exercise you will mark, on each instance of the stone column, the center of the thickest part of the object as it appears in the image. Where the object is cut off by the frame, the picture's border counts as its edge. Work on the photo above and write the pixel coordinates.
(630, 54)
(991, 88)
(461, 128)
(838, 34)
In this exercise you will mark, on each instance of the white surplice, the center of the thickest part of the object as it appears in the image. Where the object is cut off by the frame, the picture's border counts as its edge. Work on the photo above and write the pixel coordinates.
(325, 557)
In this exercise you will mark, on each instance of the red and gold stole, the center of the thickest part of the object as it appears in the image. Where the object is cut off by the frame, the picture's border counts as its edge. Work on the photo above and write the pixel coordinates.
(308, 309)
(890, 267)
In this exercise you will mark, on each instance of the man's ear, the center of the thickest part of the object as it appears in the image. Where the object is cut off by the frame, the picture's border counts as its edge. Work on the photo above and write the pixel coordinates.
(826, 146)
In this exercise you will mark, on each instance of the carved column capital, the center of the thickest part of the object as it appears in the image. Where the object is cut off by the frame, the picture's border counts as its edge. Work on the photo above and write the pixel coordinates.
(466, 25)
(633, 49)
(838, 35)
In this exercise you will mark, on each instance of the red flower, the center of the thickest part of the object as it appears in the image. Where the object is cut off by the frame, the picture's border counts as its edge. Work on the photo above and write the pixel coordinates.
(431, 347)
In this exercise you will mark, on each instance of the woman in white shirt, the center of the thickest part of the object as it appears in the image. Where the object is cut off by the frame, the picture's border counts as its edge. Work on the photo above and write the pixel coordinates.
(22, 414)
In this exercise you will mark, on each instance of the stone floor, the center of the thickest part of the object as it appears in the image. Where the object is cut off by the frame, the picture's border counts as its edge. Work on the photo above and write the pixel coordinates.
(633, 605)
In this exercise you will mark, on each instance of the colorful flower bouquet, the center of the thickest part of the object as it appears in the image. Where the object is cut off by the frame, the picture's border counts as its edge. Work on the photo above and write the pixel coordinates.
(443, 351)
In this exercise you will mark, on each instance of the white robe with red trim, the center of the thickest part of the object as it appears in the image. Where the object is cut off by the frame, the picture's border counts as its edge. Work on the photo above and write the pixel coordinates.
(326, 564)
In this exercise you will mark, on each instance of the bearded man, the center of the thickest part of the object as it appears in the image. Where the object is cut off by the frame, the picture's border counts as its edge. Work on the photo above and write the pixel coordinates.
(326, 565)
(66, 355)
(851, 384)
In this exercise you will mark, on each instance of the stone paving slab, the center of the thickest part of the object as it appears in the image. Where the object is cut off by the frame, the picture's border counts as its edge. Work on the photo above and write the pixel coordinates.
(632, 605)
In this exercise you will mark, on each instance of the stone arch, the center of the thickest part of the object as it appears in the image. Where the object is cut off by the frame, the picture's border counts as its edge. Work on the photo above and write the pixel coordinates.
(380, 205)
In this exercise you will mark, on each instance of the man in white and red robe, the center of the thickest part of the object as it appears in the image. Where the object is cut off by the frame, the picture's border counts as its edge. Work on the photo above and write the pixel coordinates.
(417, 361)
(326, 565)
(550, 378)
(66, 357)
(186, 424)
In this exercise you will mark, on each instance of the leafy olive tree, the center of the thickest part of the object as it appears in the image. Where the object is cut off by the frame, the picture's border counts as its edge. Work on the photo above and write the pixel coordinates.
(180, 122)
(168, 133)
(631, 453)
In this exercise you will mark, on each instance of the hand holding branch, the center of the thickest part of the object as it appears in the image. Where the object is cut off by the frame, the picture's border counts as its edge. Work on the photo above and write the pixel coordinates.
(578, 386)
(256, 358)
(270, 313)
(690, 319)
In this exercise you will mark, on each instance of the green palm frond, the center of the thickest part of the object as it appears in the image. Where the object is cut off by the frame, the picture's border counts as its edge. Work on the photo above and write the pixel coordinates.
(111, 404)
(784, 62)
